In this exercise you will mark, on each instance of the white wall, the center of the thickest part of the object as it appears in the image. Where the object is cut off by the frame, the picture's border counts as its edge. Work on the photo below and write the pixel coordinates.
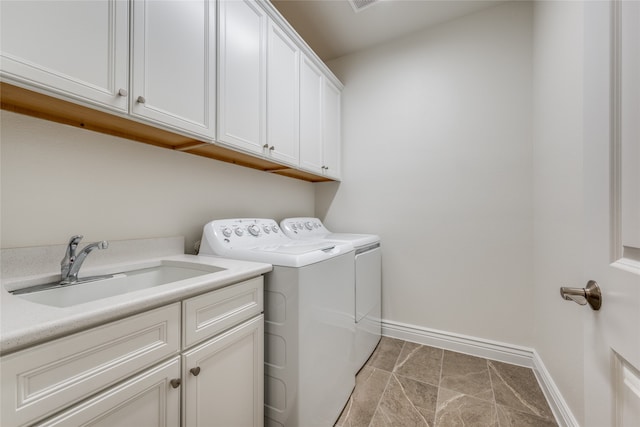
(58, 181)
(437, 159)
(558, 193)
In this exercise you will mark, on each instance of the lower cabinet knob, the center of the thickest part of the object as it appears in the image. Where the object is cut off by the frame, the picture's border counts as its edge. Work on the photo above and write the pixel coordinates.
(195, 371)
(175, 383)
(141, 99)
(122, 92)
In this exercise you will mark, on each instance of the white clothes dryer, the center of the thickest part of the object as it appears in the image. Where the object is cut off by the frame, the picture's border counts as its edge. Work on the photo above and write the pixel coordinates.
(367, 311)
(309, 332)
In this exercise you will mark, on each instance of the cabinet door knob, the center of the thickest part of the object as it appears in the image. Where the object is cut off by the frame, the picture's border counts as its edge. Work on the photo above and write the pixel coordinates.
(195, 371)
(141, 99)
(273, 147)
(175, 383)
(265, 146)
(123, 92)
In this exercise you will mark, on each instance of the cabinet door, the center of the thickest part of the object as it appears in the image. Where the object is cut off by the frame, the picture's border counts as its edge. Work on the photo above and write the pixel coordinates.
(41, 380)
(76, 50)
(241, 74)
(331, 129)
(310, 116)
(147, 399)
(173, 81)
(223, 379)
(282, 96)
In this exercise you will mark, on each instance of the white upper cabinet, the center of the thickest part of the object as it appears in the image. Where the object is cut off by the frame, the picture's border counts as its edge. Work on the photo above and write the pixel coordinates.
(173, 64)
(241, 74)
(331, 137)
(227, 71)
(283, 96)
(75, 49)
(320, 124)
(310, 116)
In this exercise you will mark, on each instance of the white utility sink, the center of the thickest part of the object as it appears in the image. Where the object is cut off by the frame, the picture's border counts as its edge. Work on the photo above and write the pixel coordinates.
(118, 283)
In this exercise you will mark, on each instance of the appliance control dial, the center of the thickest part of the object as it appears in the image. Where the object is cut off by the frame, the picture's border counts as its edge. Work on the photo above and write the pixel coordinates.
(266, 229)
(226, 232)
(308, 225)
(275, 228)
(254, 230)
(239, 232)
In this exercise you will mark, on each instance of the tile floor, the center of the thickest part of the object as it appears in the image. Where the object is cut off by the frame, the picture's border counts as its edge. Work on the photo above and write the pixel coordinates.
(405, 384)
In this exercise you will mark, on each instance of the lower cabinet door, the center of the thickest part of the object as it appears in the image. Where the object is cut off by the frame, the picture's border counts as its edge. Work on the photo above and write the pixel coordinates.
(148, 399)
(223, 379)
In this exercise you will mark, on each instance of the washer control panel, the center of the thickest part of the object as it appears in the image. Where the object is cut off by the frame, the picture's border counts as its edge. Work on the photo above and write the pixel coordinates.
(221, 235)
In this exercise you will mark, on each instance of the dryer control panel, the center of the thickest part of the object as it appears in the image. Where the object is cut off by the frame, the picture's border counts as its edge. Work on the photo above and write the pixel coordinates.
(303, 227)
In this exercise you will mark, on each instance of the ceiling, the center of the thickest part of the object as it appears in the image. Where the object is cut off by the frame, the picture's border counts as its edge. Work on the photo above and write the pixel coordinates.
(332, 28)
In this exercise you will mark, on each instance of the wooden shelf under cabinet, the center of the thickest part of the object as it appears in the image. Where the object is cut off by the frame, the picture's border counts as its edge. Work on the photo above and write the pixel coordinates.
(24, 101)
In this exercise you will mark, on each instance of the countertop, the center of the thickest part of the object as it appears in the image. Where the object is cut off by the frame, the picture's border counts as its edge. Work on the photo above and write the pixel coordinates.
(24, 323)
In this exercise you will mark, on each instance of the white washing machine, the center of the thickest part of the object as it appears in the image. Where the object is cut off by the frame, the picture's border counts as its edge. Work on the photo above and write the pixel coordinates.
(309, 332)
(367, 311)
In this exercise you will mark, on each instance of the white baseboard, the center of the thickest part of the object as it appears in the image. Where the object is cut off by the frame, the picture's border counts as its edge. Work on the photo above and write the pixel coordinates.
(558, 405)
(494, 350)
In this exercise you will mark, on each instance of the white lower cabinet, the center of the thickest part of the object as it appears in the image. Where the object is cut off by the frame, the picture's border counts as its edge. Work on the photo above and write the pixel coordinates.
(198, 362)
(223, 380)
(148, 399)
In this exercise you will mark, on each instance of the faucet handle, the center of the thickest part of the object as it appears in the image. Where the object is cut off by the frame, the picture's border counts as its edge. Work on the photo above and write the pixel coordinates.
(73, 245)
(69, 255)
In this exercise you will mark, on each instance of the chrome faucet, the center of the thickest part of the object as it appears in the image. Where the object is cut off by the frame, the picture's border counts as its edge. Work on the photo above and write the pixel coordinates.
(71, 263)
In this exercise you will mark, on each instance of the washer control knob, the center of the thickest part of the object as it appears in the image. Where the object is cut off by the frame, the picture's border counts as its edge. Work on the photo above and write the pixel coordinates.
(308, 225)
(275, 228)
(266, 229)
(239, 232)
(254, 230)
(226, 232)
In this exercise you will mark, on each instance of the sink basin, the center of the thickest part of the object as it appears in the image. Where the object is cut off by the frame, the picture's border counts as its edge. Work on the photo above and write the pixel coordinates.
(117, 284)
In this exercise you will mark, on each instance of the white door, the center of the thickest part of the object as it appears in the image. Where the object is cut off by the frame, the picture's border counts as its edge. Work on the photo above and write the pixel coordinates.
(77, 50)
(310, 116)
(173, 64)
(224, 379)
(331, 127)
(151, 398)
(282, 96)
(612, 212)
(241, 74)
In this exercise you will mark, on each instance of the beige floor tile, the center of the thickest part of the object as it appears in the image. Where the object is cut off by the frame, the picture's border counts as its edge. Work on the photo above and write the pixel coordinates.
(456, 409)
(406, 384)
(420, 362)
(406, 402)
(511, 418)
(516, 387)
(386, 353)
(467, 375)
(370, 384)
